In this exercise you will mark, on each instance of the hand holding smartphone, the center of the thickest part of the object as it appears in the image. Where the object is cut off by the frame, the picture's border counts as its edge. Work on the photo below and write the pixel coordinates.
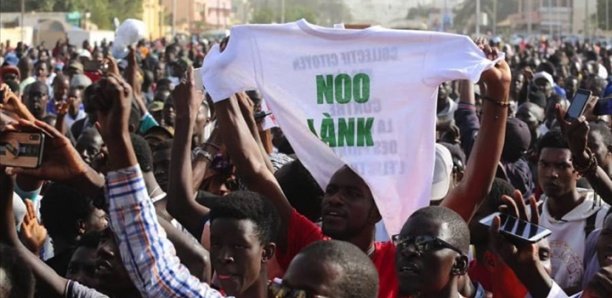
(21, 149)
(517, 229)
(578, 105)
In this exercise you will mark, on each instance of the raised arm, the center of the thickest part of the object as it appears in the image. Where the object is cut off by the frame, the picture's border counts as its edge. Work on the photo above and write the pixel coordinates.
(181, 197)
(576, 133)
(482, 164)
(149, 257)
(246, 155)
(8, 235)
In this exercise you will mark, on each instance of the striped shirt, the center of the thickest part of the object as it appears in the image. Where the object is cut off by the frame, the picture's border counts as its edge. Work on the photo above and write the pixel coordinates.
(149, 257)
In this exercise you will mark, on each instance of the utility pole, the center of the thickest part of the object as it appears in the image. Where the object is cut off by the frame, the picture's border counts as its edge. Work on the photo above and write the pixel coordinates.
(22, 13)
(477, 17)
(282, 11)
(494, 17)
(173, 18)
(529, 15)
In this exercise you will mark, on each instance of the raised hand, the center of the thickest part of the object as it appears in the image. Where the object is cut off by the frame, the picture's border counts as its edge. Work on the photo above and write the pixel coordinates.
(33, 234)
(576, 132)
(61, 162)
(11, 103)
(187, 99)
(112, 104)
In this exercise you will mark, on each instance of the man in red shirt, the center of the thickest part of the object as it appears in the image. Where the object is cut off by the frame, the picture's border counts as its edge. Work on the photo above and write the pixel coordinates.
(348, 209)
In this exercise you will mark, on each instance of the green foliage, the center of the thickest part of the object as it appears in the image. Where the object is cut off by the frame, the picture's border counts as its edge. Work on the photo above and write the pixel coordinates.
(102, 12)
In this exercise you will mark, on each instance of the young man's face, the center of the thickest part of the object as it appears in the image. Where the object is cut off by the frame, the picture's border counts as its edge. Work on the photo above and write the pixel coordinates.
(82, 266)
(556, 174)
(237, 254)
(348, 206)
(599, 147)
(111, 272)
(425, 270)
(604, 244)
(316, 278)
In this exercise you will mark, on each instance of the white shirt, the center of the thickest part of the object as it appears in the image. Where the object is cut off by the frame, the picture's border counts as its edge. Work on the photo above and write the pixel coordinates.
(365, 98)
(567, 241)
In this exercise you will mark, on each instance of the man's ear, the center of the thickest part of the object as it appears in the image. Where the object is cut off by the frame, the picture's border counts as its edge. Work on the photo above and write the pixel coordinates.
(81, 227)
(374, 215)
(461, 265)
(267, 252)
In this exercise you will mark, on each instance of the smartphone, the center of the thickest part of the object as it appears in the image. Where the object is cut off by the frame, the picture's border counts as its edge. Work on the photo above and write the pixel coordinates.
(517, 229)
(576, 108)
(21, 149)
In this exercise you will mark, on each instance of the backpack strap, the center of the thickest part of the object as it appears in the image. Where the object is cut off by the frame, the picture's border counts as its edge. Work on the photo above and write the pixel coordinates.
(590, 224)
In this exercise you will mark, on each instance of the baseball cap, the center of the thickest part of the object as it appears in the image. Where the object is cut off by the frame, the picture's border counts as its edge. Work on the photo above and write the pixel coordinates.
(156, 106)
(443, 168)
(80, 80)
(11, 59)
(76, 65)
(544, 75)
(518, 138)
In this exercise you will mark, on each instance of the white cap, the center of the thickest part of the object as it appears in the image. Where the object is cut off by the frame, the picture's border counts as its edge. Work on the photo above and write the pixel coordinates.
(544, 75)
(442, 173)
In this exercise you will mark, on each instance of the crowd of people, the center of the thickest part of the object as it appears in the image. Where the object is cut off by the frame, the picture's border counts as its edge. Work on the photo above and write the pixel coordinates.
(146, 188)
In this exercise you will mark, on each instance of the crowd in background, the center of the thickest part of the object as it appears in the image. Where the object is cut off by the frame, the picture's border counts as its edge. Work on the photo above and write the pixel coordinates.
(147, 188)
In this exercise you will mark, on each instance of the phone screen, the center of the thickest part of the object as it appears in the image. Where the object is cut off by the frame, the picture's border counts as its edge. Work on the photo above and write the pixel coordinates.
(578, 104)
(517, 228)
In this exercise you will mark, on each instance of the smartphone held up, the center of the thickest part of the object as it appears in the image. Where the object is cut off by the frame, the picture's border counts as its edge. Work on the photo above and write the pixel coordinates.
(578, 105)
(517, 229)
(21, 149)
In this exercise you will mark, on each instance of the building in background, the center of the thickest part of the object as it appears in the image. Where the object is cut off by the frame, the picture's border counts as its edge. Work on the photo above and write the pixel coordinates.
(153, 17)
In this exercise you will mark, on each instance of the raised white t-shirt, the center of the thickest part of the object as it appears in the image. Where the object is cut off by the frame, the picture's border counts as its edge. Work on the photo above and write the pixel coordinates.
(365, 98)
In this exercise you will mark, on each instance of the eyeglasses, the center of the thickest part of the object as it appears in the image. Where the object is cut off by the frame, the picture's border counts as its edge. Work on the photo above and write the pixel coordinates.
(422, 244)
(279, 290)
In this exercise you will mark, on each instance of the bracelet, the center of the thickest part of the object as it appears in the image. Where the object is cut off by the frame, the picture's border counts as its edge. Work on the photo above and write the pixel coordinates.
(203, 153)
(501, 103)
(591, 166)
(211, 145)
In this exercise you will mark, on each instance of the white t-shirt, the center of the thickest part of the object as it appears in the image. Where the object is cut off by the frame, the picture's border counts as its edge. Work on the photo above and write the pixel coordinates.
(567, 241)
(370, 96)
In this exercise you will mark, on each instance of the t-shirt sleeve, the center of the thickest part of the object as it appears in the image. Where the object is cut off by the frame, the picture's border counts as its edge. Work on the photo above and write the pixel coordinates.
(77, 290)
(453, 57)
(300, 233)
(233, 70)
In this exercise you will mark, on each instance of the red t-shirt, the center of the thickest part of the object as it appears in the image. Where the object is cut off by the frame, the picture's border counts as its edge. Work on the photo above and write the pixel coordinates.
(302, 232)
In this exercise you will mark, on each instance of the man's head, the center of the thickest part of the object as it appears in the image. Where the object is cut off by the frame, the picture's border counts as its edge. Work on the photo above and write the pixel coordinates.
(25, 66)
(543, 82)
(161, 163)
(89, 144)
(68, 215)
(168, 112)
(82, 265)
(348, 209)
(41, 70)
(37, 95)
(432, 251)
(16, 279)
(600, 143)
(479, 234)
(301, 189)
(571, 85)
(332, 269)
(556, 174)
(143, 153)
(604, 243)
(517, 141)
(243, 229)
(60, 87)
(110, 271)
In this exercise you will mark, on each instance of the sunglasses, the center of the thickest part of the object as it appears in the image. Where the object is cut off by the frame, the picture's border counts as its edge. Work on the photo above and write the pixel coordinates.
(279, 290)
(422, 244)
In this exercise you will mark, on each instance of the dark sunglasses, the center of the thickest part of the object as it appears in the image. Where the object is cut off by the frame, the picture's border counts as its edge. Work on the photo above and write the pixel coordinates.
(279, 290)
(422, 244)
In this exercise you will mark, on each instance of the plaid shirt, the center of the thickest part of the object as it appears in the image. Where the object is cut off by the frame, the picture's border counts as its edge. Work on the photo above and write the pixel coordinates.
(148, 255)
